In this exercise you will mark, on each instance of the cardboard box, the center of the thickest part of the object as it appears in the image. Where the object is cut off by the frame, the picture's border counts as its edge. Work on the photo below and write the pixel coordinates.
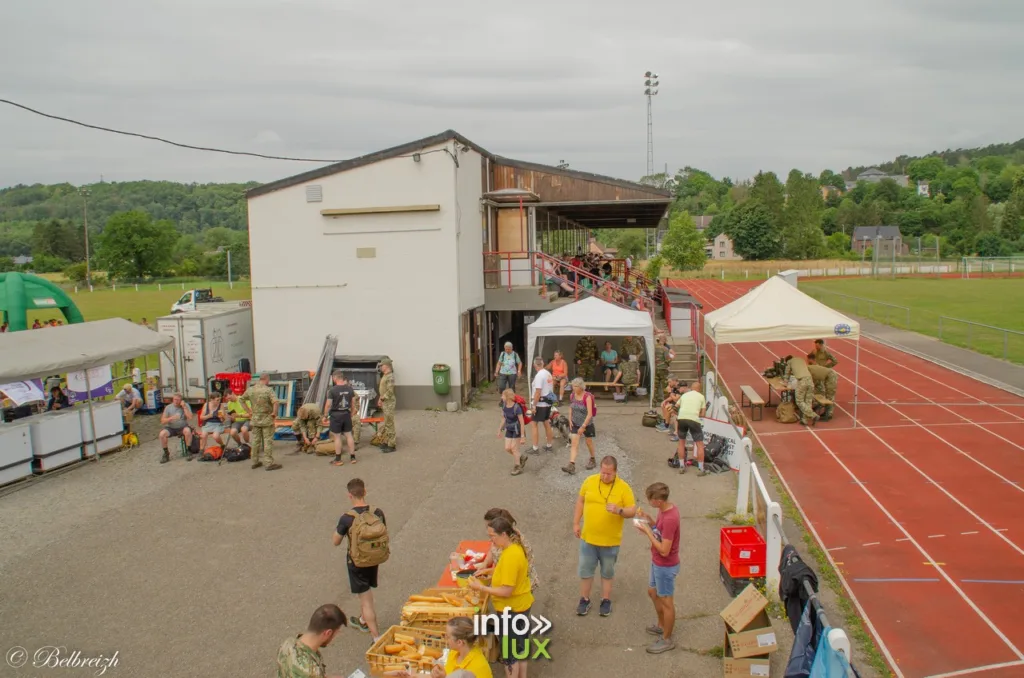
(749, 637)
(758, 639)
(742, 611)
(750, 666)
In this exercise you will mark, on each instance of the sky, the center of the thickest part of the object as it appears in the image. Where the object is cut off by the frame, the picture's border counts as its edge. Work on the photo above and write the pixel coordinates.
(745, 85)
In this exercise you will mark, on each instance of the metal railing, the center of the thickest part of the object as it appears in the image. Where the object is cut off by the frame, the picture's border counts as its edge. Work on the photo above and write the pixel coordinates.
(999, 342)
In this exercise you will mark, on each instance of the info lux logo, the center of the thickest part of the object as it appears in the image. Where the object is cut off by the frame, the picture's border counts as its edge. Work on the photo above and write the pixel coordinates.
(509, 623)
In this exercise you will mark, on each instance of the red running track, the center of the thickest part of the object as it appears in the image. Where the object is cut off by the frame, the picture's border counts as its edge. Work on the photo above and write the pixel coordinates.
(918, 507)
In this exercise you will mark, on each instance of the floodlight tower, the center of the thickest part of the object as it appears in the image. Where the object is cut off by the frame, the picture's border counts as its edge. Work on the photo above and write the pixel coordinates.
(650, 91)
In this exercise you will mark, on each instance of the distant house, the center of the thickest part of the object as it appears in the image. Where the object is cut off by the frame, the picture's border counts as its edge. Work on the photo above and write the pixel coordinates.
(829, 190)
(721, 249)
(886, 239)
(22, 260)
(595, 248)
(703, 221)
(874, 175)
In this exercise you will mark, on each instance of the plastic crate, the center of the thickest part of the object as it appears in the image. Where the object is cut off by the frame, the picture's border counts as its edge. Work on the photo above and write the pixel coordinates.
(733, 585)
(238, 381)
(746, 568)
(743, 544)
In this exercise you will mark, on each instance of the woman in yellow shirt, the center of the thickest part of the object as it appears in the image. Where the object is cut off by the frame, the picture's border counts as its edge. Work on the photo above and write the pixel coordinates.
(510, 588)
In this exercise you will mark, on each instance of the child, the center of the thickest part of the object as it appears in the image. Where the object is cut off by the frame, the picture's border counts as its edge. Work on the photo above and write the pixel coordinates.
(514, 428)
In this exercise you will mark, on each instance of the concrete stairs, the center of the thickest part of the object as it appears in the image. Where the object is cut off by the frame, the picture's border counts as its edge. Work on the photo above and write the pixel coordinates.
(684, 367)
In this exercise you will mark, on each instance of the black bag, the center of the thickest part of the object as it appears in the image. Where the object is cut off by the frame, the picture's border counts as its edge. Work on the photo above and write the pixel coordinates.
(240, 453)
(193, 447)
(716, 455)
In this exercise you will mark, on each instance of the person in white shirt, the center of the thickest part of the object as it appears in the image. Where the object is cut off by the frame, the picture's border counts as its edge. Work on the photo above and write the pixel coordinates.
(541, 395)
(131, 399)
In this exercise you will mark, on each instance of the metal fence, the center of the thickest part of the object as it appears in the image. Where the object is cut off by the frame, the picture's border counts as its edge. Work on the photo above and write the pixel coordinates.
(999, 342)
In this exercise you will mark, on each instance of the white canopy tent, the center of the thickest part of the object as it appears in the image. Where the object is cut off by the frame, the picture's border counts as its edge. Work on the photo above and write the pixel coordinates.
(591, 317)
(778, 311)
(33, 354)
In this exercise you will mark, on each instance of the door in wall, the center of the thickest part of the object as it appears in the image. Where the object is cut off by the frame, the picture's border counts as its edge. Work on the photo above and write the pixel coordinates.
(465, 352)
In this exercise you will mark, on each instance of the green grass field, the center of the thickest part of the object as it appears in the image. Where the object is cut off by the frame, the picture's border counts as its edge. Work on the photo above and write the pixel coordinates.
(149, 302)
(937, 307)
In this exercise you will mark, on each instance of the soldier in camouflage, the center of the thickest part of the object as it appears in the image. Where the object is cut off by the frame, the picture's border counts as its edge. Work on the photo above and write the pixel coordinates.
(821, 355)
(586, 358)
(662, 362)
(386, 437)
(631, 347)
(825, 382)
(796, 370)
(300, 657)
(307, 427)
(261, 433)
(357, 422)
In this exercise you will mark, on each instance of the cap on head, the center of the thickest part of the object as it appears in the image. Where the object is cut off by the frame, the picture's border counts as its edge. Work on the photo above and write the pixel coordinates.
(386, 361)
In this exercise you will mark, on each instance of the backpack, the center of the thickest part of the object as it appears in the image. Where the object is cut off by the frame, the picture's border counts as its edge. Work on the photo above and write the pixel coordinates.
(593, 401)
(368, 540)
(521, 401)
(212, 453)
(240, 453)
(650, 419)
(785, 413)
(716, 457)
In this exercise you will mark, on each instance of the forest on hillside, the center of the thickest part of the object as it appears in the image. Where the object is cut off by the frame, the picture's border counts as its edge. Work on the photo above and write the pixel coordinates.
(974, 205)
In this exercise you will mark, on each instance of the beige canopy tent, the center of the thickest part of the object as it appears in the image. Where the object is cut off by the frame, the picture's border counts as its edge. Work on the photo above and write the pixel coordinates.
(777, 311)
(34, 354)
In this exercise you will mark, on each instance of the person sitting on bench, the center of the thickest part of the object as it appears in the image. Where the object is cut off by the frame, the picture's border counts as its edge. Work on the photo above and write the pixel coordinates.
(175, 423)
(610, 365)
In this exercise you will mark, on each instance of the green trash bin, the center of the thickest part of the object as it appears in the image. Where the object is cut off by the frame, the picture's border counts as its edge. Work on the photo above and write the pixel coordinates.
(442, 379)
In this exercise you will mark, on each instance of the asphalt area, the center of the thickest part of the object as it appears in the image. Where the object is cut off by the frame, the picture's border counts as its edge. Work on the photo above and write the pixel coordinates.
(915, 505)
(193, 568)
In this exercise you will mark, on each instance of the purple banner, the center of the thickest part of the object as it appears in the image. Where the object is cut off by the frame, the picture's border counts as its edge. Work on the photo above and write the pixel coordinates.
(100, 380)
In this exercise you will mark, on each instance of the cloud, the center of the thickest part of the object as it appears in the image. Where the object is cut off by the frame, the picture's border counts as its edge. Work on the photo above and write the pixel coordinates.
(744, 85)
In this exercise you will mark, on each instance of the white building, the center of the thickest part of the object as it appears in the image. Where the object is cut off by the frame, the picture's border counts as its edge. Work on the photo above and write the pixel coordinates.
(721, 249)
(388, 251)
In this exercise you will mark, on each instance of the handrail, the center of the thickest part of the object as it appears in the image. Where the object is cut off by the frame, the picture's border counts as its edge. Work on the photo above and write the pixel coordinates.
(604, 283)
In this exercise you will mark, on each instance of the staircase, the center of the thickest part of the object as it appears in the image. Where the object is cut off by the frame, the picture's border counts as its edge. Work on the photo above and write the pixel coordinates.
(684, 367)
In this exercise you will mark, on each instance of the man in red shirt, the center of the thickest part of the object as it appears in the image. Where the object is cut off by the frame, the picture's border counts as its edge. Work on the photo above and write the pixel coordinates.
(663, 533)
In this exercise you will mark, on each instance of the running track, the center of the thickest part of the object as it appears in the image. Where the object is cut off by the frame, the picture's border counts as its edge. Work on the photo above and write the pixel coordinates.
(919, 507)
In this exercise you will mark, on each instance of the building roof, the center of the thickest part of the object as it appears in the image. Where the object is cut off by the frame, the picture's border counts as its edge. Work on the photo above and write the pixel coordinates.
(871, 232)
(872, 171)
(449, 135)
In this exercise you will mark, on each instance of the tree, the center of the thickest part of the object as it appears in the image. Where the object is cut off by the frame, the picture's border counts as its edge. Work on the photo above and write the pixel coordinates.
(753, 231)
(768, 190)
(58, 238)
(683, 245)
(134, 246)
(801, 234)
(654, 265)
(991, 245)
(926, 169)
(631, 243)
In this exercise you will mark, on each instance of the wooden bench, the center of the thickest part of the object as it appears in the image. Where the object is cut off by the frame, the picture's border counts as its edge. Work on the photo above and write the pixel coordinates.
(748, 396)
(372, 421)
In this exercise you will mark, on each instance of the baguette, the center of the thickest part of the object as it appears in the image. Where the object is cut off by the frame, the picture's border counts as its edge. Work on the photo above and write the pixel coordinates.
(426, 599)
(393, 649)
(432, 653)
(404, 639)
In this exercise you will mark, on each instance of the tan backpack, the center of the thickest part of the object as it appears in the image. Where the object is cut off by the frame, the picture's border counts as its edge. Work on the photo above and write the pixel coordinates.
(368, 540)
(785, 413)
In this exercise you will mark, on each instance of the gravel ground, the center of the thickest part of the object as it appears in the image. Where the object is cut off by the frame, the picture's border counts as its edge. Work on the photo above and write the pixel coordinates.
(190, 569)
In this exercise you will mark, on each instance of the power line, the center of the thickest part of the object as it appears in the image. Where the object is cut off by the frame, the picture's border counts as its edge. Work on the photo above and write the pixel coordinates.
(165, 141)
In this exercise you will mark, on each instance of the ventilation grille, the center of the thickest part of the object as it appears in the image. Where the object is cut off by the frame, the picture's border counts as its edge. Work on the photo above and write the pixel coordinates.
(314, 193)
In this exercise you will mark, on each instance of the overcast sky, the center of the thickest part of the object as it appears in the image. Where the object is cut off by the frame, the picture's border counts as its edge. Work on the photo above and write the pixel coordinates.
(746, 85)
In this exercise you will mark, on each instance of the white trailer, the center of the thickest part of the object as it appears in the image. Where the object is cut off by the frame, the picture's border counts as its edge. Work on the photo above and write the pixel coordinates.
(208, 341)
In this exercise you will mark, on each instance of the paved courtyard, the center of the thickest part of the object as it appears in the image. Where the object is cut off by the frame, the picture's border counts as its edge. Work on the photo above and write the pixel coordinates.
(189, 569)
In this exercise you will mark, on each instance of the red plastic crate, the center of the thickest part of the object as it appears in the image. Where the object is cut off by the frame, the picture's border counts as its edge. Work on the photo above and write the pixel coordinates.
(747, 569)
(239, 381)
(743, 544)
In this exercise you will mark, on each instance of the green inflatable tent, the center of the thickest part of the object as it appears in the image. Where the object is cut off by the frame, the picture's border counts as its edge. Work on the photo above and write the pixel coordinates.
(22, 292)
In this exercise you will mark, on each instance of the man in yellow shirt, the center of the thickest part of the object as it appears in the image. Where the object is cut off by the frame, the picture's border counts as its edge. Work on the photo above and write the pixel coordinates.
(604, 503)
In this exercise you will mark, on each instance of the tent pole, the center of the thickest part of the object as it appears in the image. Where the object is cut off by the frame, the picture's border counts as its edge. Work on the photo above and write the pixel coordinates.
(856, 384)
(92, 416)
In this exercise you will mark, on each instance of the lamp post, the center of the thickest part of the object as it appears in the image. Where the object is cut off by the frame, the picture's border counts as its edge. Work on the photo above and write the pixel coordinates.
(85, 227)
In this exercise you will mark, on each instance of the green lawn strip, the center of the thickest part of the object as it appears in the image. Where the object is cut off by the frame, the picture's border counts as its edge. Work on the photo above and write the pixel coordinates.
(995, 302)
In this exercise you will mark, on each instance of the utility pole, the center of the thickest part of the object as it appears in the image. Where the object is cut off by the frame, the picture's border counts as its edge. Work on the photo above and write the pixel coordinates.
(85, 220)
(229, 269)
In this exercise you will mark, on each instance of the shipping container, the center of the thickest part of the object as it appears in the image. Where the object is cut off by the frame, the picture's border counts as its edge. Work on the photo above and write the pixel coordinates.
(210, 340)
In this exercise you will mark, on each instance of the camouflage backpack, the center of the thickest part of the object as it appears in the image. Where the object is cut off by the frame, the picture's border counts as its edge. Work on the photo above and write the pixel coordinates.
(368, 540)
